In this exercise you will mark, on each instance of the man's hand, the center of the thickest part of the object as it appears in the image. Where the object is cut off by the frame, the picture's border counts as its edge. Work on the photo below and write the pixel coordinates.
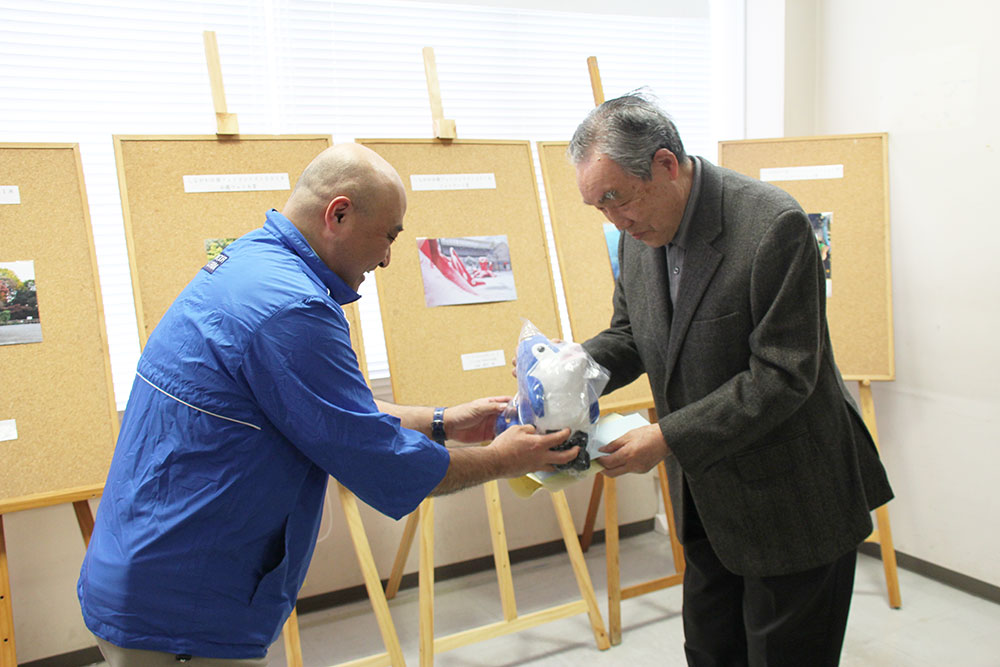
(517, 451)
(521, 451)
(639, 450)
(473, 422)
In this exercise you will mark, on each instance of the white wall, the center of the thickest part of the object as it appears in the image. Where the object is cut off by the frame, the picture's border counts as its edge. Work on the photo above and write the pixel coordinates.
(765, 69)
(928, 76)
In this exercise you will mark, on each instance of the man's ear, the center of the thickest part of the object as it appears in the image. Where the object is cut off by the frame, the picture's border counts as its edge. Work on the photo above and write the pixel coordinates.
(335, 211)
(665, 158)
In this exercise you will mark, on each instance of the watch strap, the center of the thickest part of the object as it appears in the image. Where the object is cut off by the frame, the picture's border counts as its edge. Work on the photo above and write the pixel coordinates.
(437, 426)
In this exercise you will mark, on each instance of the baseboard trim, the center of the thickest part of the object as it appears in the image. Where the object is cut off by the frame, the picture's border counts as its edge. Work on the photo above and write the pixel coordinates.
(85, 656)
(943, 575)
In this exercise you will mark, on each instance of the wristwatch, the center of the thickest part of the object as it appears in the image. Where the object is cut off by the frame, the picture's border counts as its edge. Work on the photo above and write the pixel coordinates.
(437, 426)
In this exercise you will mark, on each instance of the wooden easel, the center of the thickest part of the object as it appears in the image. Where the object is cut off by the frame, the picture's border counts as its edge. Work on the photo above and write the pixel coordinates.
(444, 129)
(80, 498)
(607, 486)
(50, 462)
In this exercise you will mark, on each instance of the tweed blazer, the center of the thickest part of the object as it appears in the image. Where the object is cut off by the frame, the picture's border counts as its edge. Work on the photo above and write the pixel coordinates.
(762, 430)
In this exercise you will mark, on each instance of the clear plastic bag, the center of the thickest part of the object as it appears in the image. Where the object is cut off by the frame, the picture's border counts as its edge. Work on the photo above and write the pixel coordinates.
(558, 385)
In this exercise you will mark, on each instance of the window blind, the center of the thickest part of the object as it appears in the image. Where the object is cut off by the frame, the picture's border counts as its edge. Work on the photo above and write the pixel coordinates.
(81, 71)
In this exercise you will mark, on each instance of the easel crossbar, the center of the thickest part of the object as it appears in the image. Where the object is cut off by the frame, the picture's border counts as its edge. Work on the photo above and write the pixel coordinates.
(502, 628)
(653, 585)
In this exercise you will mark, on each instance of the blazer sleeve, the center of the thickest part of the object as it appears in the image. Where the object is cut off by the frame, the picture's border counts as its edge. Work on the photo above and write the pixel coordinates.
(786, 342)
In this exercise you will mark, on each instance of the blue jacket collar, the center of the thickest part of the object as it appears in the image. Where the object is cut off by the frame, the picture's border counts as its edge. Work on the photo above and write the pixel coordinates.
(292, 238)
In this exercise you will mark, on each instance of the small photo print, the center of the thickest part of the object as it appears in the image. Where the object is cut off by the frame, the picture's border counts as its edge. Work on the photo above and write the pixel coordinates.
(470, 269)
(821, 224)
(19, 319)
(214, 246)
(611, 237)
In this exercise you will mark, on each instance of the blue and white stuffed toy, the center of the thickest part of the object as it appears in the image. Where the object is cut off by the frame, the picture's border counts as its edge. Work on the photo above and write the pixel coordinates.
(558, 385)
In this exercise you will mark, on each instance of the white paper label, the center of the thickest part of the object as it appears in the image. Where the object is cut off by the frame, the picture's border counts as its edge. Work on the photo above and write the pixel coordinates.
(477, 360)
(10, 194)
(612, 426)
(813, 173)
(453, 182)
(236, 182)
(8, 429)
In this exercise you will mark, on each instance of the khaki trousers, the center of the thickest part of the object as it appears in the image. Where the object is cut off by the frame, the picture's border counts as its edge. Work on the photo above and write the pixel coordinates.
(117, 656)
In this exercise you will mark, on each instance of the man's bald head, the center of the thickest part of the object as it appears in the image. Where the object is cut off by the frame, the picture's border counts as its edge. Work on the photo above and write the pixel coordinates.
(349, 205)
(349, 170)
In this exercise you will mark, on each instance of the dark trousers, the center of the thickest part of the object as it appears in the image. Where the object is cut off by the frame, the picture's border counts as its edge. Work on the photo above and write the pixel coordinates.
(794, 620)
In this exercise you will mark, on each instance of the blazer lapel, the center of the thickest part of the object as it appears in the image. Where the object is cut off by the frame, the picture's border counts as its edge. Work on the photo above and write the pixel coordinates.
(659, 284)
(700, 263)
(701, 260)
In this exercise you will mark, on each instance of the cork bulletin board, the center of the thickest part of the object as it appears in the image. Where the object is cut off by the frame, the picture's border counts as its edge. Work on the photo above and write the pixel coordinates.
(58, 421)
(168, 220)
(452, 353)
(585, 265)
(846, 176)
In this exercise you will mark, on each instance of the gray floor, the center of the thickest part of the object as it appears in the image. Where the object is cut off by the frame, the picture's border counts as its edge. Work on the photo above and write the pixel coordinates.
(937, 625)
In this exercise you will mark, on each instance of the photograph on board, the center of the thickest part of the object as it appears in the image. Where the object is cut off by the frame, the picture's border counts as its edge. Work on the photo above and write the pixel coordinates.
(821, 223)
(214, 246)
(469, 269)
(19, 320)
(611, 237)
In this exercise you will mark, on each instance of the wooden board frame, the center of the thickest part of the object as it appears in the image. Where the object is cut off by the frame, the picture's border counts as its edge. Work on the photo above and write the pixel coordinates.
(423, 374)
(69, 371)
(64, 460)
(859, 309)
(165, 228)
(585, 265)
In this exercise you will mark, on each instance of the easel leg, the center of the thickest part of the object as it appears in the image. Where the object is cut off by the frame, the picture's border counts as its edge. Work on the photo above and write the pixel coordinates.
(668, 509)
(426, 586)
(370, 574)
(583, 581)
(611, 550)
(882, 513)
(8, 655)
(405, 544)
(588, 523)
(888, 556)
(501, 555)
(85, 518)
(293, 646)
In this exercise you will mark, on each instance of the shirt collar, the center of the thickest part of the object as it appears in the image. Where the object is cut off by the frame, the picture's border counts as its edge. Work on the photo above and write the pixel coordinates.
(681, 237)
(288, 234)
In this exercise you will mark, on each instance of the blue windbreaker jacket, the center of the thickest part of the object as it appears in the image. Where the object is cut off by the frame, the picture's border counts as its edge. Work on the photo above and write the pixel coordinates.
(247, 396)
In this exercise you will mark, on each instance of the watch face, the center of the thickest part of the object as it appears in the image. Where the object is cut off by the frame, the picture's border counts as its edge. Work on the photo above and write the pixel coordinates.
(437, 426)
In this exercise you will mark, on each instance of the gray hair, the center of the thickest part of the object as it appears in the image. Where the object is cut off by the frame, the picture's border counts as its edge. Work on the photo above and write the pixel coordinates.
(629, 130)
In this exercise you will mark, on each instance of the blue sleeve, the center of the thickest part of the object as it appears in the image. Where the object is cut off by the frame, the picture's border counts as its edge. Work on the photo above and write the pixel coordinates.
(305, 377)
